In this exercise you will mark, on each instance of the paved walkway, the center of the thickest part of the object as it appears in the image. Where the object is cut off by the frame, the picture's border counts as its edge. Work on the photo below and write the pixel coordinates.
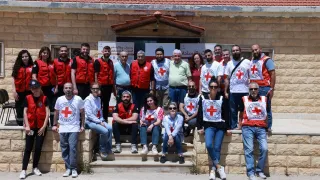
(148, 176)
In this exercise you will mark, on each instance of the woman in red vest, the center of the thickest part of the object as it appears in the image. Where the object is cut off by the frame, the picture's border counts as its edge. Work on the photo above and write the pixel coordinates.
(36, 114)
(21, 75)
(195, 63)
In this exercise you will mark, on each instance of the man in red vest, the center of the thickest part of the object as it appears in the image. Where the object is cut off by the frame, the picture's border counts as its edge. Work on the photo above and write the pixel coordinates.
(142, 79)
(82, 72)
(262, 71)
(104, 76)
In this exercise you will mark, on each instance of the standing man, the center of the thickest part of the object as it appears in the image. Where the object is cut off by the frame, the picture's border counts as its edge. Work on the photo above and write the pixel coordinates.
(179, 77)
(103, 73)
(161, 74)
(122, 75)
(226, 108)
(237, 75)
(142, 79)
(218, 53)
(253, 119)
(209, 69)
(262, 71)
(82, 72)
(68, 109)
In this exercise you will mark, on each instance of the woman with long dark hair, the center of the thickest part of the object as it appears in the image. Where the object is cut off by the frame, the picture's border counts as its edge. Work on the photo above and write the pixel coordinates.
(21, 74)
(151, 116)
(195, 63)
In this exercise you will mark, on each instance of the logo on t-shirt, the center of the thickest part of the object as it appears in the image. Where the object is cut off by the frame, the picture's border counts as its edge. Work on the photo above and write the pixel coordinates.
(256, 111)
(212, 110)
(67, 112)
(239, 76)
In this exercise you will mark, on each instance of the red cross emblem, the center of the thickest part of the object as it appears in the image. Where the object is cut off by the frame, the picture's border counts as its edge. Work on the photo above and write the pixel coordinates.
(253, 69)
(99, 114)
(171, 129)
(239, 74)
(190, 106)
(66, 112)
(149, 118)
(207, 76)
(256, 110)
(162, 71)
(211, 110)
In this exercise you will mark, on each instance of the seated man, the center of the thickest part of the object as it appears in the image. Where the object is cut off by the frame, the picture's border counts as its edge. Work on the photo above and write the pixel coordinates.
(253, 120)
(125, 121)
(189, 108)
(96, 122)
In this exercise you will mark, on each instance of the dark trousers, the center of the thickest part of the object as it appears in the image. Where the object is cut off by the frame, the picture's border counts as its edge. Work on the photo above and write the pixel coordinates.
(19, 106)
(138, 96)
(226, 109)
(125, 129)
(83, 90)
(47, 91)
(60, 92)
(37, 150)
(106, 91)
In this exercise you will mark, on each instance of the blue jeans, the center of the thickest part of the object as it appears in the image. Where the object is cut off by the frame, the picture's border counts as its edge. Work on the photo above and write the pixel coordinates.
(177, 142)
(248, 135)
(155, 135)
(210, 134)
(234, 101)
(177, 94)
(68, 144)
(138, 96)
(105, 140)
(263, 90)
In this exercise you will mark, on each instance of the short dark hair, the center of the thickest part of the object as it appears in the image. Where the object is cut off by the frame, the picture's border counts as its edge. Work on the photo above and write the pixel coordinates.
(218, 45)
(62, 46)
(236, 46)
(207, 50)
(107, 47)
(159, 49)
(213, 80)
(226, 50)
(85, 45)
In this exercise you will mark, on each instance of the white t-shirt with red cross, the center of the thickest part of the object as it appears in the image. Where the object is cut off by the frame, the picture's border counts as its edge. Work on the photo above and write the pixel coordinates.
(239, 81)
(69, 113)
(207, 71)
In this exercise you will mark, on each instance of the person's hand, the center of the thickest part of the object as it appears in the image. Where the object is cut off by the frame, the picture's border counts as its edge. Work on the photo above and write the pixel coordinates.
(150, 128)
(201, 131)
(27, 129)
(15, 95)
(171, 141)
(81, 129)
(55, 91)
(270, 94)
(229, 133)
(186, 118)
(226, 95)
(102, 124)
(75, 91)
(55, 128)
(41, 131)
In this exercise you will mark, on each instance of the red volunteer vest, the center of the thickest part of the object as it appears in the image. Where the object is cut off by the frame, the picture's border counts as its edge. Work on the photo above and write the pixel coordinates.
(259, 72)
(258, 112)
(63, 71)
(85, 71)
(46, 75)
(105, 76)
(122, 113)
(36, 112)
(140, 76)
(23, 79)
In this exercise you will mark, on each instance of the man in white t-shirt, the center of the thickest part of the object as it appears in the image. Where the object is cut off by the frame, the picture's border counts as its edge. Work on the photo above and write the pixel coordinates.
(209, 69)
(238, 78)
(68, 108)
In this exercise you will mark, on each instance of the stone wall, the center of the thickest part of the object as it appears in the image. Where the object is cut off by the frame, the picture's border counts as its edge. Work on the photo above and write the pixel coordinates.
(12, 144)
(287, 154)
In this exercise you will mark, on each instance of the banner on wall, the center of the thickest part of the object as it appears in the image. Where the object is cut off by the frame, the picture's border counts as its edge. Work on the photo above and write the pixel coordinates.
(151, 47)
(116, 48)
(188, 49)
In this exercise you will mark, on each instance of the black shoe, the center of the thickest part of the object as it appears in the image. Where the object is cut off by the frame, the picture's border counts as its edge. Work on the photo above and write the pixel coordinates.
(181, 160)
(163, 159)
(187, 132)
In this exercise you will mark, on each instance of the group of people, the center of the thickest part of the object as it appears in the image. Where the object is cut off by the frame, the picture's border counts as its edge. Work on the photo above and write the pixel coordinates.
(215, 96)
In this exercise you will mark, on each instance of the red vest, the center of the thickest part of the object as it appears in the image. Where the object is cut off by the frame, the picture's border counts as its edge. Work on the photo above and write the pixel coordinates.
(140, 76)
(36, 112)
(122, 113)
(105, 76)
(63, 71)
(23, 79)
(255, 113)
(259, 72)
(46, 74)
(85, 71)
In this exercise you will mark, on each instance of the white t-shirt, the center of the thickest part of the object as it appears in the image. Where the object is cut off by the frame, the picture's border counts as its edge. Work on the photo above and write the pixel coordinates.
(207, 71)
(69, 113)
(239, 82)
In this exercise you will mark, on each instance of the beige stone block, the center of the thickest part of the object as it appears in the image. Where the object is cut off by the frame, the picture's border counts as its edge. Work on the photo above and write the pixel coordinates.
(64, 23)
(280, 171)
(21, 37)
(86, 157)
(235, 148)
(49, 146)
(17, 145)
(309, 171)
(10, 14)
(287, 149)
(60, 167)
(25, 15)
(204, 169)
(233, 160)
(202, 160)
(292, 171)
(242, 160)
(84, 16)
(277, 139)
(6, 21)
(315, 140)
(271, 149)
(35, 22)
(200, 147)
(277, 161)
(56, 16)
(41, 15)
(315, 162)
(236, 170)
(47, 167)
(4, 167)
(8, 51)
(16, 167)
(54, 157)
(77, 23)
(11, 134)
(298, 139)
(309, 150)
(298, 161)
(4, 145)
(85, 31)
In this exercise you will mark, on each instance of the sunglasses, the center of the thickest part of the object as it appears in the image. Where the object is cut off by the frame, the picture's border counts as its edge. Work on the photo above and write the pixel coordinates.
(253, 89)
(172, 108)
(95, 89)
(191, 86)
(213, 87)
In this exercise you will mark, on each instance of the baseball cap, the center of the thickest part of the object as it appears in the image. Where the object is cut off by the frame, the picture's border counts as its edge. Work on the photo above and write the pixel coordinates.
(34, 84)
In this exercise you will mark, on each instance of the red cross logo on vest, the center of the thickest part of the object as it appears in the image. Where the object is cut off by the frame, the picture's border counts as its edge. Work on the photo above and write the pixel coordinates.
(190, 106)
(253, 69)
(162, 71)
(149, 118)
(66, 112)
(207, 76)
(99, 114)
(256, 110)
(239, 74)
(211, 110)
(171, 129)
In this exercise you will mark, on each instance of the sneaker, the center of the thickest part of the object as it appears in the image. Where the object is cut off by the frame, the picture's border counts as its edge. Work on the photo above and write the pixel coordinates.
(23, 174)
(144, 149)
(252, 177)
(212, 175)
(67, 173)
(134, 148)
(154, 150)
(181, 160)
(37, 172)
(261, 175)
(222, 174)
(118, 148)
(74, 173)
(104, 156)
(163, 159)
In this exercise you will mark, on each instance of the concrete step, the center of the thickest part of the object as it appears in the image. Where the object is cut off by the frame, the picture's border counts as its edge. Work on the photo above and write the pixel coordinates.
(139, 166)
(186, 147)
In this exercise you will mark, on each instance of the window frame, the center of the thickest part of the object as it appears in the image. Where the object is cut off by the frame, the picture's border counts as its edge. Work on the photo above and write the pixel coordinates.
(2, 61)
